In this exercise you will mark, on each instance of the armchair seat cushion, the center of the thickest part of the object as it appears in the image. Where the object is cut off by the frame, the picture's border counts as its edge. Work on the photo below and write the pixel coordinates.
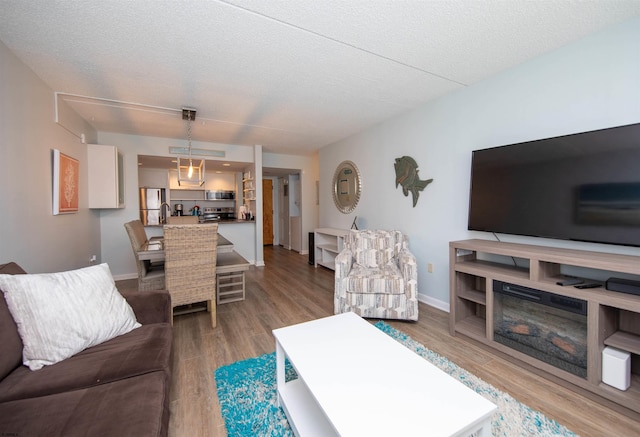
(386, 279)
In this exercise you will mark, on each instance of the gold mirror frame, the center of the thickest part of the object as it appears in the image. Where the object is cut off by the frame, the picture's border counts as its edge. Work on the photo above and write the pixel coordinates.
(347, 185)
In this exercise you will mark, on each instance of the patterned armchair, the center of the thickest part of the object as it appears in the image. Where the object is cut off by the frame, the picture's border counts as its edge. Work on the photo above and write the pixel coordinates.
(376, 276)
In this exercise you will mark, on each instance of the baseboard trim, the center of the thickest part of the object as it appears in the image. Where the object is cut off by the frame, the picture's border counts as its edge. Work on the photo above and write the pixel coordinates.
(436, 303)
(125, 276)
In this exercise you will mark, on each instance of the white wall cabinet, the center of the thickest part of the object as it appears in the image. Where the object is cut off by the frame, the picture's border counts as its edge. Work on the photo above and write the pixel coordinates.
(106, 176)
(220, 181)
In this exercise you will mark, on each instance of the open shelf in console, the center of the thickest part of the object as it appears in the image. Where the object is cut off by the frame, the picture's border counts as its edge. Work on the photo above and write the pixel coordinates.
(471, 304)
(620, 328)
(484, 267)
(624, 340)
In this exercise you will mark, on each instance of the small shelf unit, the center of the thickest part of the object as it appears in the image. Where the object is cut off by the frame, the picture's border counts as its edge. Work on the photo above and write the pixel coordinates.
(248, 189)
(328, 243)
(613, 318)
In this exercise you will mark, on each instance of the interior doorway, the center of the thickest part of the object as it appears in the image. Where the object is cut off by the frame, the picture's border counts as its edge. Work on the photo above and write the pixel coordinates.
(267, 212)
(283, 208)
(286, 218)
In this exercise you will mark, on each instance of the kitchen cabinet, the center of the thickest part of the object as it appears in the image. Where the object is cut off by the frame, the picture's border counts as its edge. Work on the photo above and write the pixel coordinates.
(178, 195)
(153, 177)
(106, 176)
(220, 181)
(173, 180)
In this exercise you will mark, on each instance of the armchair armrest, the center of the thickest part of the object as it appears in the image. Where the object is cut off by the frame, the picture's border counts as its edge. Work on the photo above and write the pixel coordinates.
(150, 306)
(408, 265)
(343, 263)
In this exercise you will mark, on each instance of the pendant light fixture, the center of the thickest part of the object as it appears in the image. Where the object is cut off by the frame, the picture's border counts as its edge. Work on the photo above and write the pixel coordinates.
(189, 115)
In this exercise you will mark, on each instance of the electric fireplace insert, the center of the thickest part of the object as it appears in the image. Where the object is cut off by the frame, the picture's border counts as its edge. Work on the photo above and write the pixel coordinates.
(546, 326)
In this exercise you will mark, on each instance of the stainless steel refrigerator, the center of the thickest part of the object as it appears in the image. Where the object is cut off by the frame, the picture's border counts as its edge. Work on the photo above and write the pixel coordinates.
(151, 206)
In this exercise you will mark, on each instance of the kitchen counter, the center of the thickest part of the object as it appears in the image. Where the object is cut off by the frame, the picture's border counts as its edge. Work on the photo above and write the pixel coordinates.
(222, 222)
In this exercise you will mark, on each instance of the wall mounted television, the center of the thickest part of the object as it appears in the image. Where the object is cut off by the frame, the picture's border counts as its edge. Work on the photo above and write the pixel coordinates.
(583, 187)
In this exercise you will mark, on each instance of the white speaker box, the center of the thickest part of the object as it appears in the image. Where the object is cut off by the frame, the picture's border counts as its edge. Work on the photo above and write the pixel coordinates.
(616, 368)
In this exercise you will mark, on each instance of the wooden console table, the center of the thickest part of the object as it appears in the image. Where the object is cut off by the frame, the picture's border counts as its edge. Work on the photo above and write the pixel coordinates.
(613, 318)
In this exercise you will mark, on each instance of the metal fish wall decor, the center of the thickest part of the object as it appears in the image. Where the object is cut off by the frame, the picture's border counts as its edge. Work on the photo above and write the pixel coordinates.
(407, 176)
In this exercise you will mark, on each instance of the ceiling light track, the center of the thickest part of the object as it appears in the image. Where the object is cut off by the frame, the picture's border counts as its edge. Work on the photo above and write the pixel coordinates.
(90, 100)
(115, 103)
(344, 43)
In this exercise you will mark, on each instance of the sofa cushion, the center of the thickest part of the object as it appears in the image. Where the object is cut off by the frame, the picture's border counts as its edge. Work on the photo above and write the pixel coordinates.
(132, 407)
(386, 280)
(11, 356)
(61, 314)
(152, 306)
(140, 351)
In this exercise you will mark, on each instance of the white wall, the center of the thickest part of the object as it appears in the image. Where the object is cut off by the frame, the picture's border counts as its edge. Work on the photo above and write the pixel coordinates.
(591, 84)
(29, 233)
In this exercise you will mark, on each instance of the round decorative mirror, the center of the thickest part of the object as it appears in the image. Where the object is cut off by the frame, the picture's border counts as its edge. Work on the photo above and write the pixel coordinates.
(347, 185)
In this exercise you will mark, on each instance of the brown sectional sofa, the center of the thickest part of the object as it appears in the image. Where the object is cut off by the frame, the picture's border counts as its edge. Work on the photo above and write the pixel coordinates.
(117, 388)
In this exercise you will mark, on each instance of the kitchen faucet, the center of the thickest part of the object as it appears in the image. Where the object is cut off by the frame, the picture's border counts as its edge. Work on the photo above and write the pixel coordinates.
(163, 220)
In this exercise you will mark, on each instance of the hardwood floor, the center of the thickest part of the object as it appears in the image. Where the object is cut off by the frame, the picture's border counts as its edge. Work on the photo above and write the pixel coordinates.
(288, 291)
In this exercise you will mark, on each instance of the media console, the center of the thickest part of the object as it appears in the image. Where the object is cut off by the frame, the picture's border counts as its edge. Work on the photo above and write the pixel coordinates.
(612, 318)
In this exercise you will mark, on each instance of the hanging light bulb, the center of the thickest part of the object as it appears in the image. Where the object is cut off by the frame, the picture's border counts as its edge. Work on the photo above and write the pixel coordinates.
(194, 174)
(190, 172)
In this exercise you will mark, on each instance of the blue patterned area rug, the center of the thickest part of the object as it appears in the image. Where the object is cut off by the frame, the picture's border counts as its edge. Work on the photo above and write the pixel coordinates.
(248, 399)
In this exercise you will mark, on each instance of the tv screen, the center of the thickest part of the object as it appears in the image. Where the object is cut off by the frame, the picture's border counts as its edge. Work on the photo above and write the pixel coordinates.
(583, 187)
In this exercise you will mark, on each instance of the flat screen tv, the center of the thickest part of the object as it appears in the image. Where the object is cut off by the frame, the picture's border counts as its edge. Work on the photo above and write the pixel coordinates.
(583, 187)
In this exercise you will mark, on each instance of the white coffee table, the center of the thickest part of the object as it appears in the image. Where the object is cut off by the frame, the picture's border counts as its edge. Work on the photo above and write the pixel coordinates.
(355, 380)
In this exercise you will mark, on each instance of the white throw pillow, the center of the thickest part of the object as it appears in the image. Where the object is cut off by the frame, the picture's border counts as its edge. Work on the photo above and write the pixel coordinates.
(61, 314)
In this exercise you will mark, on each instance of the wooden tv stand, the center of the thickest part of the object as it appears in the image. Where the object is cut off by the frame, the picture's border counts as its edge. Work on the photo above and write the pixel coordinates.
(613, 318)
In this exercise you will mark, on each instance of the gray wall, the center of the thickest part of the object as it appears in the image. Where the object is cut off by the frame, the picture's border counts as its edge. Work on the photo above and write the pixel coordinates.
(29, 233)
(591, 84)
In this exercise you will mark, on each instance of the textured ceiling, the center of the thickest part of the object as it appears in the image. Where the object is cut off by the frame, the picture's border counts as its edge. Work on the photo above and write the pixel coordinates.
(290, 75)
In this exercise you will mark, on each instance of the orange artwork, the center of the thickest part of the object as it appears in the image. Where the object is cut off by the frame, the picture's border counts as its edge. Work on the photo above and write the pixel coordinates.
(66, 172)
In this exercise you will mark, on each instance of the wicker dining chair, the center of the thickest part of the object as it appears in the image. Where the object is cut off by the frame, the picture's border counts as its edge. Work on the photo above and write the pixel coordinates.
(182, 219)
(149, 278)
(190, 264)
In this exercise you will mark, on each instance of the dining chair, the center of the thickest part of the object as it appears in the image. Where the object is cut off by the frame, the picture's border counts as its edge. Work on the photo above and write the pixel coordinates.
(190, 264)
(149, 277)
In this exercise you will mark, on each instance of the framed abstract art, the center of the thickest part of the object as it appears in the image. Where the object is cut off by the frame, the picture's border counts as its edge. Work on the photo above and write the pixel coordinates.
(66, 171)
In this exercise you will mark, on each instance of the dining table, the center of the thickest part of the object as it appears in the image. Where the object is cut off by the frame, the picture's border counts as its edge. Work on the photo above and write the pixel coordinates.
(153, 249)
